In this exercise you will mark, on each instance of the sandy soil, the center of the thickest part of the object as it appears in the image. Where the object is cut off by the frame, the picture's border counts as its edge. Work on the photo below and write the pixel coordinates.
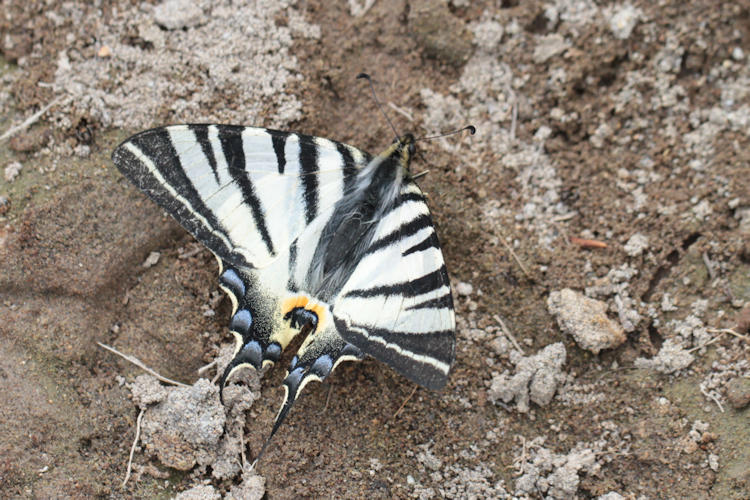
(625, 124)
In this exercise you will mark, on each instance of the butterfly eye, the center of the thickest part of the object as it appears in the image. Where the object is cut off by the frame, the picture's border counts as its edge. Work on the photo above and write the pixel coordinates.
(412, 149)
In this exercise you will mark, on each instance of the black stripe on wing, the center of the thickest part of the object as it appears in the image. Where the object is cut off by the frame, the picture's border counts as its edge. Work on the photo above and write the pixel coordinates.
(424, 358)
(431, 241)
(308, 158)
(201, 135)
(443, 302)
(407, 197)
(404, 231)
(157, 146)
(424, 284)
(350, 167)
(278, 139)
(234, 154)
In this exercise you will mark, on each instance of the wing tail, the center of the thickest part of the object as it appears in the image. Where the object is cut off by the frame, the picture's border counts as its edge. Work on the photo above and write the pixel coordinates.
(317, 358)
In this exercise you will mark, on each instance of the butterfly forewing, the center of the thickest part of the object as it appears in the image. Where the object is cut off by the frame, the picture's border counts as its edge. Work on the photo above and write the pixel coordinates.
(244, 192)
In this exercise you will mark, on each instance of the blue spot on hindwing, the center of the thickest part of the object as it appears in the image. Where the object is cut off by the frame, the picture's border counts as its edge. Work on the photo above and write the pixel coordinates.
(253, 352)
(232, 281)
(273, 352)
(322, 366)
(350, 350)
(241, 321)
(294, 378)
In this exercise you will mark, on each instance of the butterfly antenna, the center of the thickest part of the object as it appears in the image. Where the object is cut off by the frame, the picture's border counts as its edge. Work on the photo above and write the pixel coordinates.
(471, 128)
(377, 101)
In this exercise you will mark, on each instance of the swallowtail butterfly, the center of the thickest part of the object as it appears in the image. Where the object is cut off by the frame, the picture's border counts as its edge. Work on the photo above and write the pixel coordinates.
(313, 237)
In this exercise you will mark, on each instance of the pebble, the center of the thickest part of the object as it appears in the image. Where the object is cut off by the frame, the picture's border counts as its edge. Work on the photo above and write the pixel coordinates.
(178, 14)
(585, 319)
(623, 20)
(738, 392)
(464, 289)
(636, 245)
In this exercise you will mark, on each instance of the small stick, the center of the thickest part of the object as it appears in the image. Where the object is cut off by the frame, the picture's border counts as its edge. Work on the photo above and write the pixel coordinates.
(507, 333)
(420, 174)
(709, 266)
(190, 253)
(29, 121)
(203, 369)
(564, 217)
(707, 343)
(328, 397)
(719, 333)
(132, 448)
(730, 332)
(137, 362)
(585, 243)
(514, 118)
(699, 347)
(515, 257)
(712, 397)
(401, 111)
(405, 401)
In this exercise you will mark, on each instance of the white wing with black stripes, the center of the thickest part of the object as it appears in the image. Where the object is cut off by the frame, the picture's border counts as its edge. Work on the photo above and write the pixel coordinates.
(313, 237)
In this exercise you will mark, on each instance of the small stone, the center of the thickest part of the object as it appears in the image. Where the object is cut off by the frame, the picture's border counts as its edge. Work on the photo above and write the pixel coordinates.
(488, 34)
(738, 54)
(200, 492)
(636, 245)
(441, 34)
(12, 171)
(738, 392)
(623, 20)
(689, 447)
(146, 390)
(104, 52)
(713, 462)
(670, 358)
(464, 289)
(536, 378)
(253, 487)
(585, 319)
(151, 260)
(549, 46)
(178, 14)
(612, 495)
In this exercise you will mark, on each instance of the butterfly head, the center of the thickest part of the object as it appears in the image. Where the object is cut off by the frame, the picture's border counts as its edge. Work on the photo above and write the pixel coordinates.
(403, 149)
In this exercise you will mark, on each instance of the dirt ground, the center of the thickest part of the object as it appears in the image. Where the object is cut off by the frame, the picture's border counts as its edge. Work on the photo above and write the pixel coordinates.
(612, 158)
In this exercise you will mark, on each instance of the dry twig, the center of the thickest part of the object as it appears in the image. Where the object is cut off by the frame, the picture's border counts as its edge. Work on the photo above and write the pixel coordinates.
(405, 401)
(586, 243)
(515, 257)
(29, 121)
(506, 332)
(137, 362)
(132, 448)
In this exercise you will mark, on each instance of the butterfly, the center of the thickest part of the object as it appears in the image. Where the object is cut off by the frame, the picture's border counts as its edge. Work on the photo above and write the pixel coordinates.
(313, 238)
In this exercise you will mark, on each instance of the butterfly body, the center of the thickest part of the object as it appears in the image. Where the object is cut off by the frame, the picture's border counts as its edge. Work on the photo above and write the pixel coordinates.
(313, 237)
